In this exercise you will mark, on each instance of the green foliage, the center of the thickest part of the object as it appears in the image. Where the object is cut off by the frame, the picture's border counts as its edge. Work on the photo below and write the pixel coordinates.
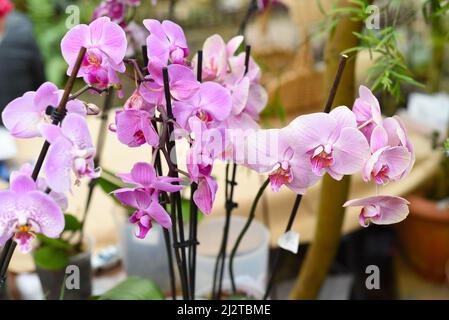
(390, 69)
(49, 19)
(54, 254)
(51, 258)
(134, 288)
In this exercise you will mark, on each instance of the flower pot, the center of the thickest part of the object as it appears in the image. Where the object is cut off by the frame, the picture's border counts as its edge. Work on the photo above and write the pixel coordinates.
(147, 257)
(246, 289)
(251, 260)
(53, 281)
(424, 238)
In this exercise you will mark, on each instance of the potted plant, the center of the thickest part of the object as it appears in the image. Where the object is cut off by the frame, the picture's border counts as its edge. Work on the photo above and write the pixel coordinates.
(53, 257)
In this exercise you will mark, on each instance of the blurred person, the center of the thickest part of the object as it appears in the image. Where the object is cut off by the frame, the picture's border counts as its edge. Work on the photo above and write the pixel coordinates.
(21, 70)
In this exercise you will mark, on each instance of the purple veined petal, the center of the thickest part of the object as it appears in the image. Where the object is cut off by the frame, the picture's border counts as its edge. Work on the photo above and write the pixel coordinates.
(74, 127)
(204, 195)
(58, 165)
(233, 45)
(77, 37)
(144, 226)
(265, 149)
(167, 186)
(50, 132)
(215, 57)
(125, 177)
(76, 106)
(143, 173)
(150, 134)
(182, 111)
(158, 48)
(344, 118)
(158, 213)
(8, 215)
(46, 95)
(312, 130)
(379, 138)
(183, 83)
(22, 184)
(257, 100)
(175, 34)
(398, 159)
(143, 199)
(391, 209)
(96, 29)
(303, 177)
(21, 117)
(110, 38)
(369, 165)
(155, 27)
(240, 96)
(127, 196)
(216, 100)
(366, 95)
(350, 152)
(128, 128)
(41, 209)
(153, 93)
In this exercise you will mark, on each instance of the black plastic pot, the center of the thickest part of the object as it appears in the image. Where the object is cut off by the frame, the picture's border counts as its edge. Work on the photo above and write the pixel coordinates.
(53, 281)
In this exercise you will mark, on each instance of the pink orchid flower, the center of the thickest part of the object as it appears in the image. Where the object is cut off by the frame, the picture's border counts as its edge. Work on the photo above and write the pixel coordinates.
(273, 152)
(144, 196)
(216, 54)
(331, 141)
(182, 81)
(386, 162)
(380, 209)
(397, 136)
(106, 44)
(23, 115)
(208, 145)
(166, 42)
(367, 111)
(71, 149)
(42, 185)
(25, 211)
(134, 128)
(211, 104)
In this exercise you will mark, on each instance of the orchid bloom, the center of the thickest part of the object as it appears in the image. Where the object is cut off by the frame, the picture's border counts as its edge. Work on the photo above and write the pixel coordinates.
(144, 196)
(23, 115)
(182, 81)
(25, 211)
(42, 185)
(331, 141)
(367, 111)
(273, 152)
(386, 162)
(380, 209)
(134, 128)
(216, 54)
(166, 42)
(207, 146)
(71, 149)
(114, 9)
(211, 104)
(106, 44)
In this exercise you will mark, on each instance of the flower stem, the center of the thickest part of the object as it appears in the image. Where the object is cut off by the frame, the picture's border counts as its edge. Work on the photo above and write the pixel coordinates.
(251, 216)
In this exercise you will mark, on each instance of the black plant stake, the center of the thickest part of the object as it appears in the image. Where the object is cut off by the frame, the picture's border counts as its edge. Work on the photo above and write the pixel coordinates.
(56, 115)
(229, 206)
(175, 197)
(327, 109)
(158, 166)
(193, 230)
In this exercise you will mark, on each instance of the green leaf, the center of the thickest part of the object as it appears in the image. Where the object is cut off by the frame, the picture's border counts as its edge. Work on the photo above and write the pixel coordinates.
(134, 288)
(55, 243)
(51, 258)
(71, 223)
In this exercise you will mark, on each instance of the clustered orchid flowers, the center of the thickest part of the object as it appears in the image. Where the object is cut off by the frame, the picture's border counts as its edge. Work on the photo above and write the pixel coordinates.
(213, 103)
